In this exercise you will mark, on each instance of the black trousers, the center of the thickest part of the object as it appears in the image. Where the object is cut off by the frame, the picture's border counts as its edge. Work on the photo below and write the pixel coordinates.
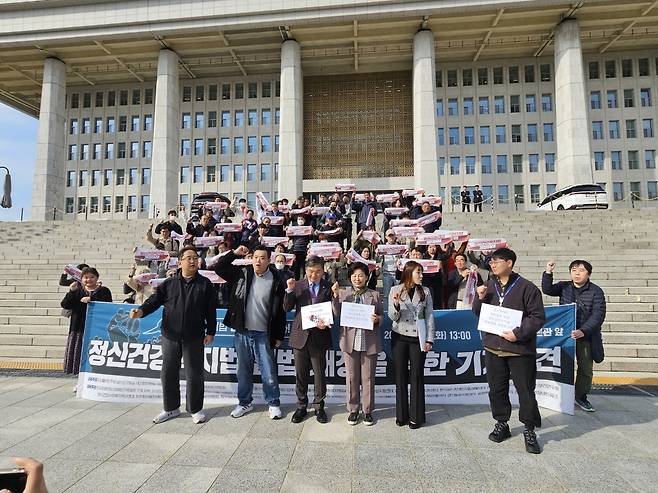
(523, 371)
(192, 353)
(466, 207)
(298, 266)
(409, 363)
(477, 207)
(305, 359)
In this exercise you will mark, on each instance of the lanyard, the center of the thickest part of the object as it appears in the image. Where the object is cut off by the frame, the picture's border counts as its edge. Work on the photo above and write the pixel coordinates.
(501, 297)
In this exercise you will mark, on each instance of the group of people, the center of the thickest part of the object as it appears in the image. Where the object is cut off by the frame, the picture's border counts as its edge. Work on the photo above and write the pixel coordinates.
(259, 291)
(465, 198)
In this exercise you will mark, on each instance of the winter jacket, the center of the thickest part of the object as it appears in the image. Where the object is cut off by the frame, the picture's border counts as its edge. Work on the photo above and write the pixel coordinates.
(78, 309)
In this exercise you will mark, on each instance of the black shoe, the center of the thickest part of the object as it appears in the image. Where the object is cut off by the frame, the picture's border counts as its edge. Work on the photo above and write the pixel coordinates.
(531, 443)
(352, 419)
(414, 426)
(299, 415)
(584, 404)
(400, 422)
(500, 432)
(321, 416)
(367, 420)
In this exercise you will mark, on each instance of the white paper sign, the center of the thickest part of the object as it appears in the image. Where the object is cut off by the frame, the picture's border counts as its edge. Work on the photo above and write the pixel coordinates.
(313, 314)
(356, 315)
(498, 319)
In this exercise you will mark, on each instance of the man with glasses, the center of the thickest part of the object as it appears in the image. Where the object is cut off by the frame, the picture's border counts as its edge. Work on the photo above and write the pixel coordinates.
(189, 321)
(590, 314)
(512, 354)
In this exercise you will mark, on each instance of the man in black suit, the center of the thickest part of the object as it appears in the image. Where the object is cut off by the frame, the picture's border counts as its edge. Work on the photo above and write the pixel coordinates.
(466, 199)
(477, 199)
(309, 346)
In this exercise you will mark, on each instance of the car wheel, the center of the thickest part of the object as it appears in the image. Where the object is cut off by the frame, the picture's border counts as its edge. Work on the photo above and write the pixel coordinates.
(560, 207)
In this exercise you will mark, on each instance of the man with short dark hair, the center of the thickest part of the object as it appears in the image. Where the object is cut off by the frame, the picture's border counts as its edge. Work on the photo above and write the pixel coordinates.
(512, 354)
(477, 199)
(309, 346)
(172, 216)
(590, 314)
(189, 321)
(466, 199)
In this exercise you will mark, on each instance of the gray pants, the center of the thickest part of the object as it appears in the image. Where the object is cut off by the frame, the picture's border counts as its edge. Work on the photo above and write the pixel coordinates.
(192, 353)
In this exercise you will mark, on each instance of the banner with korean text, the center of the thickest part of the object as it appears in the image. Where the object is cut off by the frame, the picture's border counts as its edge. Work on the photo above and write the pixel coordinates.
(121, 361)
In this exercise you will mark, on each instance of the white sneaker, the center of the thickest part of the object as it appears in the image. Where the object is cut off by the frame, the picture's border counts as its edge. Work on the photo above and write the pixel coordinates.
(241, 410)
(275, 412)
(166, 416)
(199, 417)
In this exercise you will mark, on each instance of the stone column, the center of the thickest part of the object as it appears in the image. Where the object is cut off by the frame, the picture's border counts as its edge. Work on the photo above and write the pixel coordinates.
(574, 156)
(166, 140)
(426, 172)
(49, 170)
(291, 126)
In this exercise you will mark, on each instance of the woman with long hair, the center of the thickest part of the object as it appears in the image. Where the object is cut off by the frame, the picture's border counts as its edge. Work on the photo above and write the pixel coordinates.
(410, 309)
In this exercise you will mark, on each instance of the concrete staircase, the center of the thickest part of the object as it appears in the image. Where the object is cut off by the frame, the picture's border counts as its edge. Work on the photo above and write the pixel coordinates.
(621, 244)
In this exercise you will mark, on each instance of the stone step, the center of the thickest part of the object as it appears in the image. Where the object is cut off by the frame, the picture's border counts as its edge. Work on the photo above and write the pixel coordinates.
(51, 329)
(631, 317)
(33, 340)
(49, 352)
(632, 338)
(621, 363)
(632, 350)
(32, 320)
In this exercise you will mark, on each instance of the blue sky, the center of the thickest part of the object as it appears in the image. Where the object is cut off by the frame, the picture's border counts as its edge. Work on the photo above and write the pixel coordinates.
(18, 139)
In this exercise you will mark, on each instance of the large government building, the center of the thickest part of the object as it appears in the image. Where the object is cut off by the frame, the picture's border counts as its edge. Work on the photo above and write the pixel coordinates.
(143, 104)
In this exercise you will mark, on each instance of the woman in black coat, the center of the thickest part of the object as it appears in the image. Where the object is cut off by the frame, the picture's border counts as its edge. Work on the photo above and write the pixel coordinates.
(76, 300)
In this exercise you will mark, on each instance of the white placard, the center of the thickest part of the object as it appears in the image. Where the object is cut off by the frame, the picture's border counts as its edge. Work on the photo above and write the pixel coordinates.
(356, 315)
(312, 314)
(498, 319)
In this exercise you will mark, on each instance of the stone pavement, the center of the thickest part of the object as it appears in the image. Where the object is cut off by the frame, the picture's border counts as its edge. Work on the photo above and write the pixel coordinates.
(103, 447)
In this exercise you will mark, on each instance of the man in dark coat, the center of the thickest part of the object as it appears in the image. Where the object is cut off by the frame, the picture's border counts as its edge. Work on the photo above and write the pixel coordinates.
(466, 199)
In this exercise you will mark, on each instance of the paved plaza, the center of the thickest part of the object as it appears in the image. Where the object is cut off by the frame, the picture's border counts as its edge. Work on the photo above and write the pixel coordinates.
(105, 447)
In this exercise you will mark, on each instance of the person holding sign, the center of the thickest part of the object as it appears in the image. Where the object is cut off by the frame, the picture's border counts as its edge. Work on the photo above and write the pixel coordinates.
(310, 336)
(360, 311)
(511, 311)
(410, 309)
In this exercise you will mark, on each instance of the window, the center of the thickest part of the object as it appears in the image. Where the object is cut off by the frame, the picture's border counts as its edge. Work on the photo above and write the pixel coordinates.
(650, 159)
(187, 121)
(529, 73)
(485, 138)
(483, 76)
(545, 72)
(226, 91)
(187, 94)
(593, 70)
(513, 74)
(210, 173)
(530, 103)
(519, 194)
(98, 149)
(73, 129)
(629, 98)
(276, 143)
(253, 90)
(647, 127)
(499, 104)
(223, 172)
(111, 98)
(500, 134)
(612, 99)
(86, 100)
(652, 190)
(132, 203)
(198, 147)
(503, 194)
(82, 178)
(550, 188)
(212, 119)
(197, 177)
(453, 136)
(226, 118)
(485, 165)
(469, 135)
(148, 96)
(633, 160)
(121, 150)
(70, 178)
(515, 104)
(532, 132)
(107, 177)
(265, 145)
(548, 132)
(266, 117)
(95, 177)
(147, 149)
(469, 163)
(184, 174)
(643, 67)
(75, 100)
(533, 163)
(546, 102)
(549, 162)
(86, 125)
(98, 102)
(516, 133)
(454, 165)
(82, 204)
(137, 96)
(441, 138)
(239, 90)
(185, 147)
(265, 172)
(134, 124)
(109, 150)
(498, 75)
(123, 98)
(252, 117)
(73, 152)
(146, 176)
(252, 171)
(501, 163)
(452, 78)
(483, 102)
(534, 194)
(442, 166)
(517, 163)
(615, 160)
(618, 191)
(132, 176)
(266, 89)
(69, 205)
(134, 150)
(597, 130)
(109, 125)
(453, 107)
(224, 145)
(277, 116)
(84, 153)
(123, 123)
(98, 125)
(93, 206)
(212, 146)
(595, 100)
(121, 177)
(627, 68)
(237, 172)
(631, 131)
(610, 69)
(468, 106)
(199, 93)
(599, 161)
(239, 118)
(145, 203)
(198, 119)
(251, 144)
(613, 129)
(238, 145)
(467, 77)
(645, 98)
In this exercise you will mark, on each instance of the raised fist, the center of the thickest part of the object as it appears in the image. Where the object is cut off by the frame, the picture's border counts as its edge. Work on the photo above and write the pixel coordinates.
(481, 291)
(241, 251)
(335, 289)
(550, 267)
(290, 283)
(136, 313)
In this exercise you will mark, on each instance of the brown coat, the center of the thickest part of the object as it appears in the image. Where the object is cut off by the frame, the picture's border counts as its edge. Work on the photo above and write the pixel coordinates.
(301, 296)
(347, 334)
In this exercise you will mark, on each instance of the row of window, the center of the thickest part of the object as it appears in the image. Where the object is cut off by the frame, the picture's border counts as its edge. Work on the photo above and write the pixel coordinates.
(238, 119)
(628, 68)
(133, 175)
(500, 134)
(614, 129)
(468, 105)
(109, 125)
(253, 145)
(107, 150)
(231, 91)
(468, 164)
(612, 100)
(483, 75)
(110, 98)
(119, 206)
(632, 161)
(227, 172)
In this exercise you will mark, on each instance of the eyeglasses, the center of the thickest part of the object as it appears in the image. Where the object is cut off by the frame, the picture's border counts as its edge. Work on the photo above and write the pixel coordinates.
(193, 259)
(496, 261)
